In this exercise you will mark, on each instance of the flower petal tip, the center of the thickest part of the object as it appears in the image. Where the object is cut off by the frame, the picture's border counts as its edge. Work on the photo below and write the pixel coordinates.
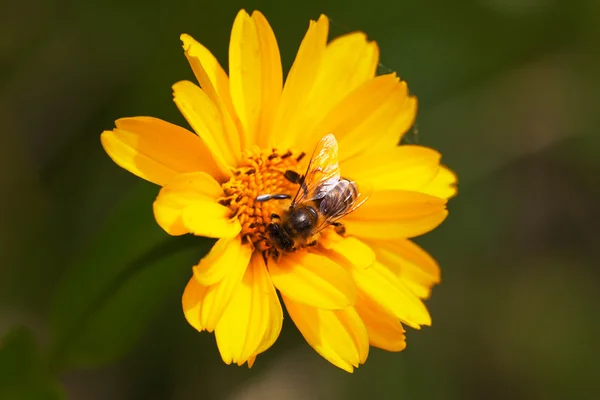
(186, 41)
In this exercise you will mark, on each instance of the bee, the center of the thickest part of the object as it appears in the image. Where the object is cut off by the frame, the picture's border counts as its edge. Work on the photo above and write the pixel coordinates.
(323, 198)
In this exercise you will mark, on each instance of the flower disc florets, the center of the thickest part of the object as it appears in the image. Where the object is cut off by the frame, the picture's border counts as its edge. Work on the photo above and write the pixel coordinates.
(262, 172)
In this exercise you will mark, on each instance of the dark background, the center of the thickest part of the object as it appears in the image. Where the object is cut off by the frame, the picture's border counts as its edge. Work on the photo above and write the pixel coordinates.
(508, 92)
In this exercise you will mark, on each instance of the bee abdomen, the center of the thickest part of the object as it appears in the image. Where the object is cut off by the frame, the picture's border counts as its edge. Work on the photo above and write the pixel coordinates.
(339, 199)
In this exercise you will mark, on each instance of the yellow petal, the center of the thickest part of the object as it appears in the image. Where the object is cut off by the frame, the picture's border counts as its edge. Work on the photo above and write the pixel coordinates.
(406, 167)
(210, 220)
(255, 75)
(404, 119)
(443, 184)
(352, 249)
(276, 322)
(208, 71)
(364, 116)
(204, 117)
(156, 150)
(215, 84)
(299, 81)
(216, 264)
(276, 312)
(396, 214)
(191, 302)
(348, 62)
(219, 295)
(384, 329)
(338, 336)
(413, 265)
(386, 289)
(188, 204)
(314, 280)
(252, 321)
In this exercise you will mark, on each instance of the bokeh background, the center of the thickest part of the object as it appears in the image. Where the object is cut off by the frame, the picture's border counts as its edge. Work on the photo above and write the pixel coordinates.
(90, 286)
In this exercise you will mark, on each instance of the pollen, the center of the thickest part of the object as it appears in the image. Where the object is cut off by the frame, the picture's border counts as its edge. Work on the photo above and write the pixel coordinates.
(261, 172)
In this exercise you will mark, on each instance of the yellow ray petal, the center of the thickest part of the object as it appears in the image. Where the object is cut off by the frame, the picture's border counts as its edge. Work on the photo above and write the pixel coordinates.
(210, 220)
(203, 116)
(276, 321)
(384, 329)
(386, 289)
(191, 302)
(443, 184)
(404, 120)
(156, 150)
(356, 252)
(208, 71)
(413, 265)
(216, 264)
(396, 214)
(255, 75)
(252, 321)
(314, 280)
(219, 295)
(364, 116)
(215, 83)
(338, 336)
(348, 62)
(406, 167)
(300, 79)
(188, 204)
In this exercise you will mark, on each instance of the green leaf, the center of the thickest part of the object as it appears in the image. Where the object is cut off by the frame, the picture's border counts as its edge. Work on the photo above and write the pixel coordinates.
(23, 375)
(115, 290)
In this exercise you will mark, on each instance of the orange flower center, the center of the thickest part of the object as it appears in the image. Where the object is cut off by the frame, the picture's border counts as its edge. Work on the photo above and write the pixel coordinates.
(261, 173)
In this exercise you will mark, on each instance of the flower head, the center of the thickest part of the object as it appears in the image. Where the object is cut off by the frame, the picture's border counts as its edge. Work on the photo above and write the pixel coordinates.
(355, 279)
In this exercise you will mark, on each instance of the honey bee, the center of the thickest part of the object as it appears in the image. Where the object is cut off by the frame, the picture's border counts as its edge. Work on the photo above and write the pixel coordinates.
(323, 198)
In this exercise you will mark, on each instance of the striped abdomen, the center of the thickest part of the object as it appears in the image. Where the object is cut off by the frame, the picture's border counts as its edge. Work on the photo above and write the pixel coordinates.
(339, 200)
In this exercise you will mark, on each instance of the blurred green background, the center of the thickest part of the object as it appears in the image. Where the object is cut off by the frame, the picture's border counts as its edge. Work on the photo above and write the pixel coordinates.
(508, 92)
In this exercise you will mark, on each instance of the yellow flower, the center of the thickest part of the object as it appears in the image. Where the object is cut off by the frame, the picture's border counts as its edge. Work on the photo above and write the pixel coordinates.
(358, 284)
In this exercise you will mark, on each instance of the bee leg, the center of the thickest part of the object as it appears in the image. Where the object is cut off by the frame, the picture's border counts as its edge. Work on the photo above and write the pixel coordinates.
(303, 185)
(265, 255)
(340, 229)
(270, 252)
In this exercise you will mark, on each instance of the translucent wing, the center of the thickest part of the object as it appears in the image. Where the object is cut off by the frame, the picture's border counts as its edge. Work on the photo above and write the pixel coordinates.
(323, 171)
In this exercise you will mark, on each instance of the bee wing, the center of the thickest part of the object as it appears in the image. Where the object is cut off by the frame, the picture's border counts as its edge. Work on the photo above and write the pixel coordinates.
(323, 171)
(340, 206)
